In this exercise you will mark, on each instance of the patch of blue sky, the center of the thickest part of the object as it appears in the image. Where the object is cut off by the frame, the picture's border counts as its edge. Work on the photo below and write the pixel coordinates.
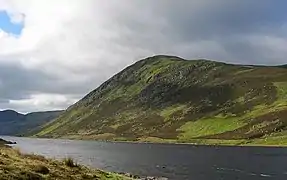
(8, 26)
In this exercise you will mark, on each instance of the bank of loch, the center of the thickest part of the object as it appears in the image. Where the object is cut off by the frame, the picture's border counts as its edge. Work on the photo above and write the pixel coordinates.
(15, 165)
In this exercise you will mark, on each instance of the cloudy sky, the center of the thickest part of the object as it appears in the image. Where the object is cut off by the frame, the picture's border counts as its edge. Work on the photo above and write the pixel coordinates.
(53, 52)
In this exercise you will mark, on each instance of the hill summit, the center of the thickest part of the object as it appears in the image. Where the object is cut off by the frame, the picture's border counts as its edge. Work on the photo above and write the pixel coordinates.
(167, 98)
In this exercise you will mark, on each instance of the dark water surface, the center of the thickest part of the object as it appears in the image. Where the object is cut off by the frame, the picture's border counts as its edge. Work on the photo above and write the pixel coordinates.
(178, 162)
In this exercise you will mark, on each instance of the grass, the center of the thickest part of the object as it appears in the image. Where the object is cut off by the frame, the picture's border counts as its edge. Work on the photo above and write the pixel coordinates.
(104, 136)
(155, 140)
(216, 142)
(209, 126)
(219, 124)
(281, 89)
(168, 112)
(142, 77)
(70, 162)
(16, 165)
(275, 139)
(271, 141)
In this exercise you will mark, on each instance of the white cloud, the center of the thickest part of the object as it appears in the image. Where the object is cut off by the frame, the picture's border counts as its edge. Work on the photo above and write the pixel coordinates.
(42, 102)
(68, 47)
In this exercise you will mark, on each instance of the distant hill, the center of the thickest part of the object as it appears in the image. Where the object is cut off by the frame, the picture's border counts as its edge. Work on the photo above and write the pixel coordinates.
(166, 98)
(14, 123)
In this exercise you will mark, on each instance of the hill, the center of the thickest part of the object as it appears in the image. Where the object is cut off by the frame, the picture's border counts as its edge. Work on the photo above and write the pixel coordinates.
(169, 99)
(14, 123)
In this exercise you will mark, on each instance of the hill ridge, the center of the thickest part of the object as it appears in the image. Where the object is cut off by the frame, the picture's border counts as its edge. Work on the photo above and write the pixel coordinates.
(15, 123)
(171, 99)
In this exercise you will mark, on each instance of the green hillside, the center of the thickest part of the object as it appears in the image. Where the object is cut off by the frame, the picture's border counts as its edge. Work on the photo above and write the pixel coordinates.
(169, 99)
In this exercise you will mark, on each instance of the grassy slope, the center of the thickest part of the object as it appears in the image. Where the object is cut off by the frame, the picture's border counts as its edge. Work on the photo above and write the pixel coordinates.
(168, 99)
(16, 165)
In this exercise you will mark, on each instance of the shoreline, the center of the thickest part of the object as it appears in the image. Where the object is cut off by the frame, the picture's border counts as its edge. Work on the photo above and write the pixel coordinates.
(5, 148)
(18, 165)
(135, 176)
(215, 142)
(3, 141)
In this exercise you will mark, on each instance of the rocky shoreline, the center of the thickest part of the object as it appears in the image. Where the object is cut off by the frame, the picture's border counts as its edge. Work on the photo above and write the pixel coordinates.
(136, 177)
(3, 142)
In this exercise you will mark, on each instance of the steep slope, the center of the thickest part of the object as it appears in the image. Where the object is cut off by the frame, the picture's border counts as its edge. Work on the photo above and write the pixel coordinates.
(169, 98)
(14, 123)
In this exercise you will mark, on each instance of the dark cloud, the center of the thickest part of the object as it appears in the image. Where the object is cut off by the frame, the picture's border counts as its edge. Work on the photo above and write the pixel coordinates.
(245, 31)
(18, 82)
(227, 25)
(226, 18)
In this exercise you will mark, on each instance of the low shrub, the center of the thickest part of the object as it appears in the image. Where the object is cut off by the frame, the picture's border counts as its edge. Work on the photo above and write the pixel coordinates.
(70, 162)
(41, 169)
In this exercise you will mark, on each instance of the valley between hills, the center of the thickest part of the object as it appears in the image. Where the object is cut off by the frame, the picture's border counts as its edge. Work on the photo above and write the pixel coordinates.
(167, 99)
(13, 123)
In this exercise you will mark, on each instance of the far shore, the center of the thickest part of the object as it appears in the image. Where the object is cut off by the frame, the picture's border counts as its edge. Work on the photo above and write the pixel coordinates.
(196, 142)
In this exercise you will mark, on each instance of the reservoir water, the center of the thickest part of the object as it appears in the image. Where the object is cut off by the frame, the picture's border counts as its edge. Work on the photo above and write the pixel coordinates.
(178, 162)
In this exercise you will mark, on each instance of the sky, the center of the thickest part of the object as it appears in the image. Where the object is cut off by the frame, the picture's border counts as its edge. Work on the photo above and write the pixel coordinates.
(8, 26)
(52, 53)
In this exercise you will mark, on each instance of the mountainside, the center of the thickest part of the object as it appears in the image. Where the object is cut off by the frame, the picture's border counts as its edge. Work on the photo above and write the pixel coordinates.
(165, 98)
(14, 123)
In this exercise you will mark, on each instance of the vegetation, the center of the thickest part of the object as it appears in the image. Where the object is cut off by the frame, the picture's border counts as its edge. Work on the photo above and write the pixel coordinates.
(169, 99)
(3, 142)
(14, 123)
(15, 165)
(70, 162)
(204, 127)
